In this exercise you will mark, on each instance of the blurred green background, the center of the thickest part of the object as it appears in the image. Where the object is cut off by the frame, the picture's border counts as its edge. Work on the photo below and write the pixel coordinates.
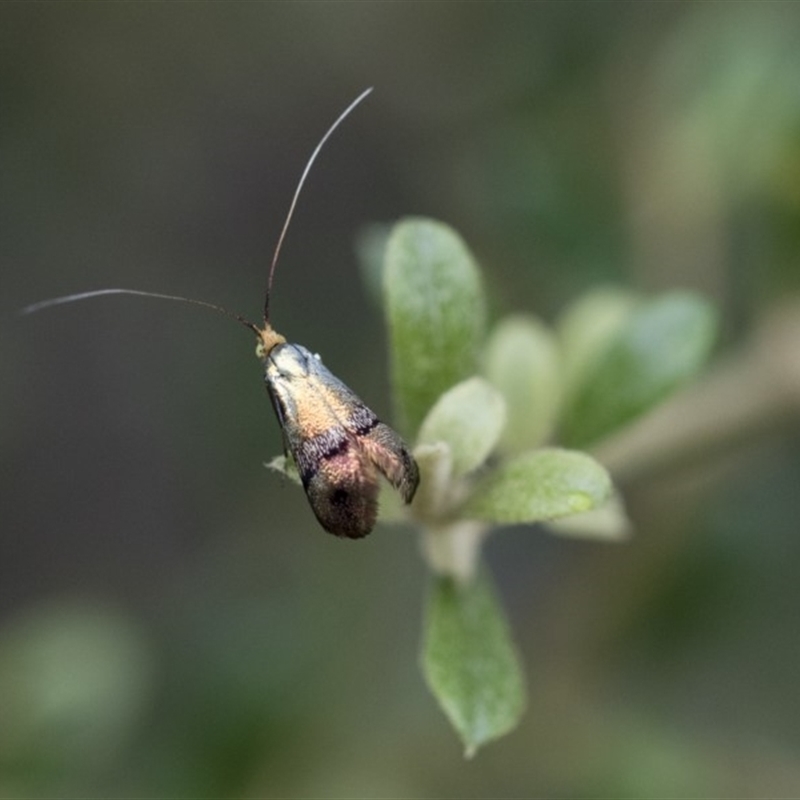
(173, 622)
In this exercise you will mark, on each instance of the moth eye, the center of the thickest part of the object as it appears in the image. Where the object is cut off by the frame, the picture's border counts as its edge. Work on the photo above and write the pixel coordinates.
(317, 356)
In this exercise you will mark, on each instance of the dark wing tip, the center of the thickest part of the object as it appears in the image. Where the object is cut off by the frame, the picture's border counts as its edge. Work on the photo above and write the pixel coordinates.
(344, 508)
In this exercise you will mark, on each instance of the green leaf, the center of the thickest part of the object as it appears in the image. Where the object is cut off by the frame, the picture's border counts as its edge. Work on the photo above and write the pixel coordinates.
(539, 486)
(470, 662)
(469, 418)
(436, 314)
(370, 246)
(586, 328)
(661, 346)
(608, 522)
(524, 363)
(435, 462)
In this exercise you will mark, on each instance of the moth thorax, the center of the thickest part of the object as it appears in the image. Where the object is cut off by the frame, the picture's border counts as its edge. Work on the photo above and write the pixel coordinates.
(267, 339)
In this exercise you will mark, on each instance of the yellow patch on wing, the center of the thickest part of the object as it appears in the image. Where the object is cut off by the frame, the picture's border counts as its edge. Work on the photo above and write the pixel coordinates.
(317, 408)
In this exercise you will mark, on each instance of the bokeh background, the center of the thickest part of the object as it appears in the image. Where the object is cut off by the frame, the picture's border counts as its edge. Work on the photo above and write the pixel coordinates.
(173, 622)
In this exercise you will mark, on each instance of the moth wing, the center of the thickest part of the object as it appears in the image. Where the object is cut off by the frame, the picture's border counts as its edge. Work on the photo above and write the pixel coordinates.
(383, 447)
(342, 490)
(339, 445)
(340, 482)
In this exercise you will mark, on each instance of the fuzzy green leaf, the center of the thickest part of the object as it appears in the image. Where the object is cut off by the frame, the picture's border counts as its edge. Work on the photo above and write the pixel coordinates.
(470, 662)
(370, 246)
(523, 362)
(588, 325)
(608, 522)
(436, 314)
(469, 418)
(538, 486)
(661, 346)
(435, 462)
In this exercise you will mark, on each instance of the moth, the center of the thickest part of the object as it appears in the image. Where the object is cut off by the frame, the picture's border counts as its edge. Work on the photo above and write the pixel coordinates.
(338, 444)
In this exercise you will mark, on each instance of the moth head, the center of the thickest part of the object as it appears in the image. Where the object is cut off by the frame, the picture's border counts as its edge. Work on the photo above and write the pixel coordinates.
(267, 339)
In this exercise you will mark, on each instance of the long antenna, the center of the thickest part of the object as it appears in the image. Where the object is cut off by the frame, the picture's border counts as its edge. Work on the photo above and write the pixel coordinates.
(297, 194)
(71, 298)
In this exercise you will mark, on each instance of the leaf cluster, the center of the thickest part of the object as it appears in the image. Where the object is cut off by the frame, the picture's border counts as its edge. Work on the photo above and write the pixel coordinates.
(485, 410)
(493, 415)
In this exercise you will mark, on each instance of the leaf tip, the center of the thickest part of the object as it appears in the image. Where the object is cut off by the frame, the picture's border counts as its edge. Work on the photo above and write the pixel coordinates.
(578, 502)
